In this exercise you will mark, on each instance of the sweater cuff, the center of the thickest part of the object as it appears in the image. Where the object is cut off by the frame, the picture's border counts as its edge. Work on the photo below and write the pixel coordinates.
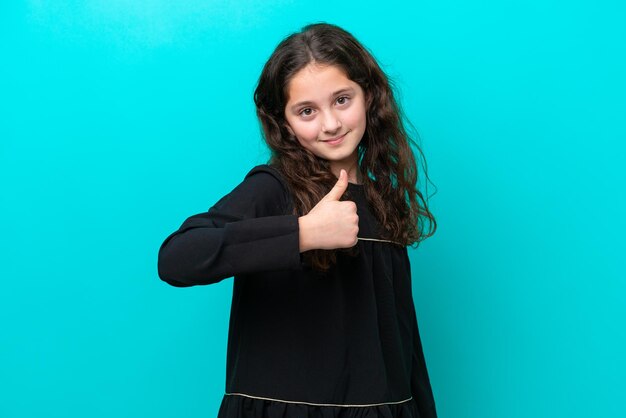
(264, 244)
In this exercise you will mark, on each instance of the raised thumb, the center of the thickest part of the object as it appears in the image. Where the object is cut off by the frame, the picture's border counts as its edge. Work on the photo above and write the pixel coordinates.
(339, 188)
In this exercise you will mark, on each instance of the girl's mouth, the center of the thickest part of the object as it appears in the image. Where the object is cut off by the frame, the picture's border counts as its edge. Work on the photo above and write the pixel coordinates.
(337, 140)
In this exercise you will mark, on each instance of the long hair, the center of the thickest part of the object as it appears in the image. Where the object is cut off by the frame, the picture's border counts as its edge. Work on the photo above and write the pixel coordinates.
(385, 157)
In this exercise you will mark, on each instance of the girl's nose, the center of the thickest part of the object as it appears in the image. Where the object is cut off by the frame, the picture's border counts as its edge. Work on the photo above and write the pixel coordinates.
(331, 123)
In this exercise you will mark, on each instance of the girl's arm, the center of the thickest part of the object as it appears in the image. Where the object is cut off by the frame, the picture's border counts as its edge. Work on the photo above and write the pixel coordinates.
(246, 231)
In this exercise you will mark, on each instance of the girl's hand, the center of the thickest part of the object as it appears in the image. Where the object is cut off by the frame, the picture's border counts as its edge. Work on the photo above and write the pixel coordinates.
(331, 223)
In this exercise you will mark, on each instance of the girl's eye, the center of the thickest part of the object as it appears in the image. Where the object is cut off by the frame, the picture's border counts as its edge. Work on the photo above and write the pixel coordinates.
(306, 111)
(343, 100)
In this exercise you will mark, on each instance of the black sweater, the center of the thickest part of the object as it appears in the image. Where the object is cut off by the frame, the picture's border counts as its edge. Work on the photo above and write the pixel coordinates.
(302, 343)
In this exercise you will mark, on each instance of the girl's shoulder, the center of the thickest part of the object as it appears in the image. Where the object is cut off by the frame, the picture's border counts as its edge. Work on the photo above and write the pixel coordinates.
(264, 185)
(268, 174)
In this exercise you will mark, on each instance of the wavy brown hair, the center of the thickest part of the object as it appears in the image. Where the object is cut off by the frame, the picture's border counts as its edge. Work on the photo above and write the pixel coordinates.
(386, 159)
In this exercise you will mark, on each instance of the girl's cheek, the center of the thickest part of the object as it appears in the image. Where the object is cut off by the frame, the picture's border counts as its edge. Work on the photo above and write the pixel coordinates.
(310, 131)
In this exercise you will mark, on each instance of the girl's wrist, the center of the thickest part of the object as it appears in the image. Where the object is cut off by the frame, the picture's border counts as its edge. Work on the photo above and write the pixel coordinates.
(304, 234)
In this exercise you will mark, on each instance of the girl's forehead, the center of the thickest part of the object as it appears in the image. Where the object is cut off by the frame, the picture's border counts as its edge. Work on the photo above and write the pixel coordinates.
(315, 70)
(317, 80)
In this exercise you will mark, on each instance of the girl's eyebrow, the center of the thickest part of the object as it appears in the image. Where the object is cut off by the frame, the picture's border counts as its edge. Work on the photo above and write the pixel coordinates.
(308, 102)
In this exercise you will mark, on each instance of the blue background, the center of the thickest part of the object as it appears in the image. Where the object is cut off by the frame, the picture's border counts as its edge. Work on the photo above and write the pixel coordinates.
(119, 119)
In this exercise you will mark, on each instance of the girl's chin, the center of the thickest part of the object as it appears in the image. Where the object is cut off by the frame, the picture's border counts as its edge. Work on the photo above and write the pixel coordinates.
(341, 158)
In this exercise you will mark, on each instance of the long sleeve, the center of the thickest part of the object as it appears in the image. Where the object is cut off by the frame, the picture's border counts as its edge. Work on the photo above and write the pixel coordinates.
(247, 231)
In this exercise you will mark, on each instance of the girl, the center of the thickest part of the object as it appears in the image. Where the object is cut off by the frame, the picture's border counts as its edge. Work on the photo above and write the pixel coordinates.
(322, 318)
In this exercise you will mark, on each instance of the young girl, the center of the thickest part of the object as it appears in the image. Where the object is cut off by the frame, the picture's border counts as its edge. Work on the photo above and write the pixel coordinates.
(322, 319)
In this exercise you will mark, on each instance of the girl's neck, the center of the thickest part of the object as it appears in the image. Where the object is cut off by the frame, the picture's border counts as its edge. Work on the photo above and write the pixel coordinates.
(354, 174)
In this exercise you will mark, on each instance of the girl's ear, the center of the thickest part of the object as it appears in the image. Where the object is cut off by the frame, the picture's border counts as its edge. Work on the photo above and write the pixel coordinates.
(368, 99)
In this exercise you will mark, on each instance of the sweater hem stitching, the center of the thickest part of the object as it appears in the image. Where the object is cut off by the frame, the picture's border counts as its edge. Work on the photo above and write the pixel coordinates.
(318, 404)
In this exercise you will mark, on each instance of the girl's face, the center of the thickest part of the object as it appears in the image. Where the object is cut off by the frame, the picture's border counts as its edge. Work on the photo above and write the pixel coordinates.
(326, 112)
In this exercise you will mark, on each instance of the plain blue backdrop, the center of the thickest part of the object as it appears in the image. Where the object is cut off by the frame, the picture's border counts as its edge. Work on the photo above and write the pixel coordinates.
(119, 119)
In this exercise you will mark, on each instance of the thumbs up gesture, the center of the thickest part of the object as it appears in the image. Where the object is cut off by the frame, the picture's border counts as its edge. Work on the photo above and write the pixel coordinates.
(331, 223)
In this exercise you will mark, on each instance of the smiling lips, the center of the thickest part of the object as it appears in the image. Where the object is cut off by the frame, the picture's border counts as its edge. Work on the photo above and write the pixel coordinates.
(335, 141)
